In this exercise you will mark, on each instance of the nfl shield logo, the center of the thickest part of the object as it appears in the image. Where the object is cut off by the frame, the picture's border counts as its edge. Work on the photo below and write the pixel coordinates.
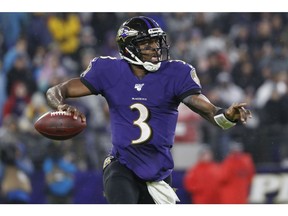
(139, 86)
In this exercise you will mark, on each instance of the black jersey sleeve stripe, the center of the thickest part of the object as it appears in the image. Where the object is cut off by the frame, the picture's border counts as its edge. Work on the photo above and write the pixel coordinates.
(89, 86)
(189, 92)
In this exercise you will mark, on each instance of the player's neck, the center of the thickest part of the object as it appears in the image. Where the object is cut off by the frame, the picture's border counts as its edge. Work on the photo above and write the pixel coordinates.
(138, 71)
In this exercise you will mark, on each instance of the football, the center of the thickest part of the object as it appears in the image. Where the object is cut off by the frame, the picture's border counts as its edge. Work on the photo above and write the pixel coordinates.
(59, 125)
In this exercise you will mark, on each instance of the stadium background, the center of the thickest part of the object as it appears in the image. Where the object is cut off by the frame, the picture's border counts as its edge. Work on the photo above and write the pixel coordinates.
(238, 57)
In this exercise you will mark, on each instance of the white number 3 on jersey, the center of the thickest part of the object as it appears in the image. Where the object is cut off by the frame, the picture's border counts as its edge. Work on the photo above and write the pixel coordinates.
(145, 129)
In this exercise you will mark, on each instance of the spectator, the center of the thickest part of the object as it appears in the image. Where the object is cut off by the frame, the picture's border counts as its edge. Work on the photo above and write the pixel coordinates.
(179, 22)
(21, 71)
(34, 109)
(237, 171)
(202, 180)
(97, 136)
(13, 25)
(35, 144)
(9, 57)
(88, 44)
(52, 71)
(38, 32)
(195, 44)
(97, 20)
(59, 174)
(17, 101)
(65, 30)
(273, 128)
(15, 187)
(276, 81)
(245, 76)
(226, 91)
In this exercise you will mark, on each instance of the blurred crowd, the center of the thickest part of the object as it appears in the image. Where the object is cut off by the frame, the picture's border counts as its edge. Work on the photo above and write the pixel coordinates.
(238, 57)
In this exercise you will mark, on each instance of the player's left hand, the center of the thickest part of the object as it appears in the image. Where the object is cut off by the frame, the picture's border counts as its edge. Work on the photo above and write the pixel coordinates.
(238, 113)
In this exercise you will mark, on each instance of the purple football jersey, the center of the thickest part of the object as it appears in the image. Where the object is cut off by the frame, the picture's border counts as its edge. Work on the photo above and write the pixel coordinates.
(143, 112)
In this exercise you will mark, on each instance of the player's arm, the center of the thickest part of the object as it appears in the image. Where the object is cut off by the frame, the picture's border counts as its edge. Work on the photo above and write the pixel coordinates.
(72, 88)
(225, 118)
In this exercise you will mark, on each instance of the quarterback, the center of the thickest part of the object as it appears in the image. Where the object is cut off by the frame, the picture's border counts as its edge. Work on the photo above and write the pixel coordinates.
(143, 90)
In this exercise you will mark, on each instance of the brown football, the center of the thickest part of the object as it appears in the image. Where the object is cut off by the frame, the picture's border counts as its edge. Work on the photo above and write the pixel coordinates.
(59, 125)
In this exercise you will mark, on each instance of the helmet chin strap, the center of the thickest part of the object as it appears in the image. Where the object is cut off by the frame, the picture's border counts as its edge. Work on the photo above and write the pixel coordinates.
(149, 66)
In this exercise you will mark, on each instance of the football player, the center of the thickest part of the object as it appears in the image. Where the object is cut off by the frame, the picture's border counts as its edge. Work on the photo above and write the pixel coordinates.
(143, 90)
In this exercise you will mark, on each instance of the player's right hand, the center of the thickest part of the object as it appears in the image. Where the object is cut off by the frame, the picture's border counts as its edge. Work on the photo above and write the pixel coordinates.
(73, 110)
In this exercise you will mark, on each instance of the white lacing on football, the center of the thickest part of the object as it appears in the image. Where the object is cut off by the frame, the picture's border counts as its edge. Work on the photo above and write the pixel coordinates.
(56, 113)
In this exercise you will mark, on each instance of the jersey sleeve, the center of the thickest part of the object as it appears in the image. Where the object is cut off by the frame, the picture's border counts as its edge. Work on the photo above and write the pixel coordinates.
(96, 76)
(91, 77)
(187, 82)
